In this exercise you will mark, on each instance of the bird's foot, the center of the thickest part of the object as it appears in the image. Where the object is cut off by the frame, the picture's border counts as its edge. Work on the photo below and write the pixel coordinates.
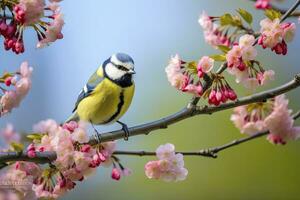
(125, 129)
(98, 135)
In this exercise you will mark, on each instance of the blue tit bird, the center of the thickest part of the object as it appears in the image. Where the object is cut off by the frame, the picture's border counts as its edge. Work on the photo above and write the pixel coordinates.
(108, 93)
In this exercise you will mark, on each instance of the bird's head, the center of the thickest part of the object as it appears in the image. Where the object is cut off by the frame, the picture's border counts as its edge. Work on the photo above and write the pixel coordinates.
(119, 68)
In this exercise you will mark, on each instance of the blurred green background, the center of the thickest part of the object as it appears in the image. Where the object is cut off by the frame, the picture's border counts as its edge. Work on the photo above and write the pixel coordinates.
(152, 31)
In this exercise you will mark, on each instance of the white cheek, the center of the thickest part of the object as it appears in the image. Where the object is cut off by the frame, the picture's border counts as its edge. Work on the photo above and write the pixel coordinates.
(113, 72)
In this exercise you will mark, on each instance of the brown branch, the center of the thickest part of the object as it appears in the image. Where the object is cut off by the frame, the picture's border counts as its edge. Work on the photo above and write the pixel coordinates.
(210, 152)
(41, 157)
(192, 110)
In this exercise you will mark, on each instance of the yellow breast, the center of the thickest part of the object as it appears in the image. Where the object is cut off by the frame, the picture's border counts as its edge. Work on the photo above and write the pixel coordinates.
(107, 103)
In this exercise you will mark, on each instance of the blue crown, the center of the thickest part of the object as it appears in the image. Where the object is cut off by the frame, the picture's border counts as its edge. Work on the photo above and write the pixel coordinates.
(124, 58)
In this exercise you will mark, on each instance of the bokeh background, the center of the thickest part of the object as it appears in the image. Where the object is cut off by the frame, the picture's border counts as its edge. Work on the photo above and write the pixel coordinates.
(152, 31)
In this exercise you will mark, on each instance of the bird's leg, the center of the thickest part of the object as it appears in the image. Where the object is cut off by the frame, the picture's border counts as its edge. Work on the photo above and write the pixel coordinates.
(125, 129)
(98, 135)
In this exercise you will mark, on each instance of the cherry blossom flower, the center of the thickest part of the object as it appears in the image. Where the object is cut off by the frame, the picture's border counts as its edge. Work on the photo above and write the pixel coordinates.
(53, 30)
(205, 64)
(75, 159)
(29, 12)
(21, 82)
(9, 134)
(275, 35)
(272, 115)
(212, 34)
(242, 64)
(280, 122)
(45, 18)
(169, 167)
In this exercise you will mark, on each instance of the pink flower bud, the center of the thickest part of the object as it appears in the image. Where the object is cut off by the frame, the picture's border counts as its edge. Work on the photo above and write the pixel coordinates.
(62, 182)
(232, 95)
(31, 154)
(3, 27)
(242, 66)
(115, 174)
(7, 81)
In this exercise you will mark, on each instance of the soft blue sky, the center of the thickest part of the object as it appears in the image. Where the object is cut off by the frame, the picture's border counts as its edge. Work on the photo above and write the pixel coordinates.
(151, 31)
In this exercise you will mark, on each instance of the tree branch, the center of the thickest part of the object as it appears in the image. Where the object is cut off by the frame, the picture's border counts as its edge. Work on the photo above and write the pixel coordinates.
(283, 11)
(210, 152)
(41, 157)
(192, 110)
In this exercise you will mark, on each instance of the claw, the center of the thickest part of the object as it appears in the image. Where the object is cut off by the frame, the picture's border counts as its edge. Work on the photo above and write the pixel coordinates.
(125, 129)
(98, 135)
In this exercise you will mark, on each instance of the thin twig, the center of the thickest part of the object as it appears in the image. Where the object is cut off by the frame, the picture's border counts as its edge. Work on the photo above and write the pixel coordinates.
(210, 152)
(290, 11)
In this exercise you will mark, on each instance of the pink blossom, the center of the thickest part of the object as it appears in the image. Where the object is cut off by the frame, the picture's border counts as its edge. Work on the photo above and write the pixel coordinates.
(169, 167)
(29, 11)
(205, 64)
(46, 126)
(212, 34)
(12, 98)
(266, 77)
(9, 101)
(272, 115)
(165, 151)
(79, 134)
(174, 74)
(233, 56)
(249, 53)
(275, 35)
(248, 121)
(53, 31)
(9, 134)
(246, 41)
(152, 170)
(289, 30)
(205, 21)
(280, 122)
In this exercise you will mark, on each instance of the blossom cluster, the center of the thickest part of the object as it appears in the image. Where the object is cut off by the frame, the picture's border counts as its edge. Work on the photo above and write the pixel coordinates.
(168, 167)
(275, 35)
(76, 159)
(15, 88)
(187, 77)
(213, 34)
(241, 63)
(45, 19)
(273, 115)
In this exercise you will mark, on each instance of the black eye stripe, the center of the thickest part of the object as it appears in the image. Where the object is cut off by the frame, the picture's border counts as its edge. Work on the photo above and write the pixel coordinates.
(120, 67)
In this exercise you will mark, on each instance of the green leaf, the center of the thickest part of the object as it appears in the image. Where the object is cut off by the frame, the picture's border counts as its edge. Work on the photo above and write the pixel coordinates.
(192, 66)
(272, 14)
(245, 15)
(223, 48)
(18, 147)
(226, 19)
(35, 136)
(220, 58)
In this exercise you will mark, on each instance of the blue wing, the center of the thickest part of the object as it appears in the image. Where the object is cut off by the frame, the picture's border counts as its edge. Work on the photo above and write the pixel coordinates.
(86, 91)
